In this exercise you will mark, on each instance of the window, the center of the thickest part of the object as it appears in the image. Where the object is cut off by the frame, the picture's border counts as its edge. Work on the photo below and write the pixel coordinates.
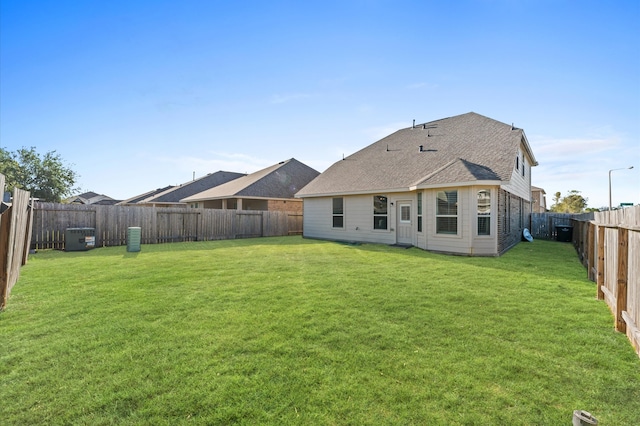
(447, 212)
(521, 214)
(338, 213)
(484, 212)
(524, 164)
(506, 217)
(419, 211)
(405, 213)
(379, 212)
(517, 162)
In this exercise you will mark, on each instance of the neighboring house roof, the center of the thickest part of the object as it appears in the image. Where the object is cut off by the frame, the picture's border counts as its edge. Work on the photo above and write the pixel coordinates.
(91, 198)
(535, 188)
(463, 149)
(177, 193)
(138, 198)
(279, 181)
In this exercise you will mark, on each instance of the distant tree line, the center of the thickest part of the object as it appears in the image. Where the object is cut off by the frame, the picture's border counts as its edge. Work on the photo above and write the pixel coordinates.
(45, 176)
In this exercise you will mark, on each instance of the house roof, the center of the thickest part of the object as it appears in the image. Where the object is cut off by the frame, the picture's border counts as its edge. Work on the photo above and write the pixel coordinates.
(281, 180)
(463, 149)
(142, 197)
(91, 198)
(177, 193)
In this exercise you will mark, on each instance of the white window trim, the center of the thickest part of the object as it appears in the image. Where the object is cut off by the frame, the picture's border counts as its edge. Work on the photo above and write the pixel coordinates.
(405, 204)
(492, 224)
(344, 224)
(387, 215)
(436, 216)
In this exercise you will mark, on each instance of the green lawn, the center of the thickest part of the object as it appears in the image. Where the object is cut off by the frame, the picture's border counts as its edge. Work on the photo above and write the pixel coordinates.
(293, 331)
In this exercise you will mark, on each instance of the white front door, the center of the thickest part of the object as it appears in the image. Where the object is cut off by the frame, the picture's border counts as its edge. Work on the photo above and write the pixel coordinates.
(404, 230)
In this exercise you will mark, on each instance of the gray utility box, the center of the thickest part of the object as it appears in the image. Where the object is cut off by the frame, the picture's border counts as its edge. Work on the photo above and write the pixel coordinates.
(79, 239)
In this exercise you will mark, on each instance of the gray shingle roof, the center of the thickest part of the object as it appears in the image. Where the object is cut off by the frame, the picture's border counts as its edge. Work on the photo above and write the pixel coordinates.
(146, 195)
(177, 193)
(461, 149)
(281, 180)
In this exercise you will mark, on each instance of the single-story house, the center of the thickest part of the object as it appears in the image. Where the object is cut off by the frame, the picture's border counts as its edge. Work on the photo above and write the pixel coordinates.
(457, 185)
(270, 189)
(91, 198)
(170, 196)
(141, 197)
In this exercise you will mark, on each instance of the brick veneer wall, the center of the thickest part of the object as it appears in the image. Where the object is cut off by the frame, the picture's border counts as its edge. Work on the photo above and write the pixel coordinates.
(513, 217)
(293, 206)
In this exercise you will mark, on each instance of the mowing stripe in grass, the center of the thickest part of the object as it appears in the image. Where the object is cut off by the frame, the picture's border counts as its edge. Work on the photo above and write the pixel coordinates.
(290, 331)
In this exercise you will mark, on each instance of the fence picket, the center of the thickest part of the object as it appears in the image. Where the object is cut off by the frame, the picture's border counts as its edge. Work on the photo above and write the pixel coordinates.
(614, 243)
(158, 224)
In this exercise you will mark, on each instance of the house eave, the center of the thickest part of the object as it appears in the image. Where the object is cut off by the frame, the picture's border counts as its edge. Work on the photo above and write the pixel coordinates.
(239, 197)
(457, 184)
(362, 192)
(405, 189)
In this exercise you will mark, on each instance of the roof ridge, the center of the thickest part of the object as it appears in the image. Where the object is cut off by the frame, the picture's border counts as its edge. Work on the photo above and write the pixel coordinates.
(435, 172)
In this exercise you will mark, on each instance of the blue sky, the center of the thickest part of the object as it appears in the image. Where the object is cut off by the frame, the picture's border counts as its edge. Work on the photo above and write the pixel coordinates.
(137, 95)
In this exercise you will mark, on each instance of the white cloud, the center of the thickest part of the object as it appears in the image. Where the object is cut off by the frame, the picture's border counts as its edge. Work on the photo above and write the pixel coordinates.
(582, 164)
(215, 161)
(576, 146)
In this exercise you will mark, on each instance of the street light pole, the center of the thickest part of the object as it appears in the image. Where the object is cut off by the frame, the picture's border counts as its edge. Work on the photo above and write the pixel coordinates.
(613, 170)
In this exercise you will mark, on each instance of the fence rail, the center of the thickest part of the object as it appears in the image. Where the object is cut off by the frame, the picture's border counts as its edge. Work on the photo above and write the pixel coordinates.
(609, 247)
(158, 224)
(543, 225)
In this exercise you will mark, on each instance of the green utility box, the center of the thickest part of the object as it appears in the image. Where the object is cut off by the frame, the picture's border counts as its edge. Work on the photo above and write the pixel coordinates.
(79, 239)
(134, 235)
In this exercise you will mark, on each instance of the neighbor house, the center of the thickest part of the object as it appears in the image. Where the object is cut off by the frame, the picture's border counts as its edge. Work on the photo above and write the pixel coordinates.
(141, 197)
(91, 198)
(270, 189)
(171, 195)
(456, 185)
(538, 200)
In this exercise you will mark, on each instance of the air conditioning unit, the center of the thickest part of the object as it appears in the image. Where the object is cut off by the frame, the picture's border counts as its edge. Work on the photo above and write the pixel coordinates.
(79, 239)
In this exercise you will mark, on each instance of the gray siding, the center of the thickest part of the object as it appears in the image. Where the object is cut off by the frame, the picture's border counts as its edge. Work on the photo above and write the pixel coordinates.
(358, 222)
(520, 185)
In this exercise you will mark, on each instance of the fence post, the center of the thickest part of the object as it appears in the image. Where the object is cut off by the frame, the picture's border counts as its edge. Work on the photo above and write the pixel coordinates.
(5, 261)
(590, 249)
(621, 299)
(600, 270)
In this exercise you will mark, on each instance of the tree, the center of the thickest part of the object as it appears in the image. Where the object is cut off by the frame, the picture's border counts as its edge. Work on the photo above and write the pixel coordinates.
(573, 202)
(46, 177)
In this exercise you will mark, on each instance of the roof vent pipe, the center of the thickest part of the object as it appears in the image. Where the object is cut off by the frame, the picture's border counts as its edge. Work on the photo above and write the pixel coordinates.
(414, 123)
(421, 148)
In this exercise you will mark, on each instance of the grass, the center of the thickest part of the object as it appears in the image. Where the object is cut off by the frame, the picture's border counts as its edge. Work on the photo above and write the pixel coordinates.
(292, 331)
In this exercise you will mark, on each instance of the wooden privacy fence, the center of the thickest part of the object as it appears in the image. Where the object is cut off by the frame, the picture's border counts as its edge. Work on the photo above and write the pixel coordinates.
(609, 247)
(543, 225)
(15, 233)
(158, 224)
